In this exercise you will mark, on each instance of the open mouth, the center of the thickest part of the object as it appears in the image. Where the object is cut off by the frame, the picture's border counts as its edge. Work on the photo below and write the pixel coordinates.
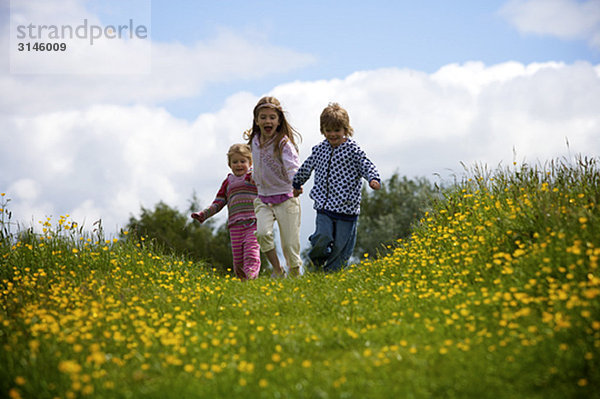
(335, 140)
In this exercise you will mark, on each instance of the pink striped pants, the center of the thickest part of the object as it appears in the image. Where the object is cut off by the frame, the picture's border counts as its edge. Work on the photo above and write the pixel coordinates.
(246, 252)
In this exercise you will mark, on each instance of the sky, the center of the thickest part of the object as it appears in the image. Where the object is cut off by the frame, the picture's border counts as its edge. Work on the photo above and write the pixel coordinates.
(113, 124)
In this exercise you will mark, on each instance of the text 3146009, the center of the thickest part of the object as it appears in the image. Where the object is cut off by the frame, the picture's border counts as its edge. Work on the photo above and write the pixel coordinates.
(36, 46)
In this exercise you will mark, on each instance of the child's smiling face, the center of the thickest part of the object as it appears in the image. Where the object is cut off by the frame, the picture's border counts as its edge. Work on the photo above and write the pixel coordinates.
(335, 136)
(268, 121)
(239, 164)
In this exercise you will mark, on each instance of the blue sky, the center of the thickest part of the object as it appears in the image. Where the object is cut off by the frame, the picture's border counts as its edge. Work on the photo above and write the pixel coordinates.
(98, 131)
(354, 35)
(344, 37)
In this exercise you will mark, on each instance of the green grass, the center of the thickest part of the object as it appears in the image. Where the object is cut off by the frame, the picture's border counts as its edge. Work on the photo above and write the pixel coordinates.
(495, 295)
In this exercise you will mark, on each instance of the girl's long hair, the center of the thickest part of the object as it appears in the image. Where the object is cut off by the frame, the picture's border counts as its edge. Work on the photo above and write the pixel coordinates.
(283, 132)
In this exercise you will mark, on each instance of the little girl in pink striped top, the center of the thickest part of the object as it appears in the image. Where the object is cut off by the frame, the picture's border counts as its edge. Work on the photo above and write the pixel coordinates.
(238, 192)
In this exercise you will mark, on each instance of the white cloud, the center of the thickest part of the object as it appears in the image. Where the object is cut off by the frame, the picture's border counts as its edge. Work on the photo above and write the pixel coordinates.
(421, 124)
(104, 161)
(108, 159)
(227, 57)
(98, 143)
(89, 45)
(116, 72)
(566, 19)
(25, 189)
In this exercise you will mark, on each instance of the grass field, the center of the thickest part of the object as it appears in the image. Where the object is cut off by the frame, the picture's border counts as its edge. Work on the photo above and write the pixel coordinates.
(495, 295)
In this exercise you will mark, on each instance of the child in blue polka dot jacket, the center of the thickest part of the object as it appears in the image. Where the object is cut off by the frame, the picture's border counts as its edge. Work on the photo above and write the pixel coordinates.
(339, 165)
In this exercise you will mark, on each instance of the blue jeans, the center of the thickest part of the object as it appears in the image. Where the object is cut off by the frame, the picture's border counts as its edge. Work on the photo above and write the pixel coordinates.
(332, 242)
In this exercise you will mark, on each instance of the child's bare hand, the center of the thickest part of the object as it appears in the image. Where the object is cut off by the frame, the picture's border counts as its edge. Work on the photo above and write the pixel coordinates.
(298, 191)
(199, 216)
(374, 184)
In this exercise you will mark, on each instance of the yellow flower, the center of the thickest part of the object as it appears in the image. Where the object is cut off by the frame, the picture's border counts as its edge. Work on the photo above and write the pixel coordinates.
(563, 347)
(591, 293)
(34, 344)
(188, 368)
(351, 333)
(518, 252)
(69, 367)
(339, 381)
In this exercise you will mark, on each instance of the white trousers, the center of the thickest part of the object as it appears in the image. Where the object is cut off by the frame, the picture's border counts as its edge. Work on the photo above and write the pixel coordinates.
(287, 215)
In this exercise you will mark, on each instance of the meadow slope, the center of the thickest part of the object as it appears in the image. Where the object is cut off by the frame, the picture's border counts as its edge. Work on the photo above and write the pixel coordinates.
(495, 295)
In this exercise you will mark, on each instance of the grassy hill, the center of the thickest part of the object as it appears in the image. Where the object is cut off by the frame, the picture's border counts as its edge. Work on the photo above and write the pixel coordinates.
(495, 295)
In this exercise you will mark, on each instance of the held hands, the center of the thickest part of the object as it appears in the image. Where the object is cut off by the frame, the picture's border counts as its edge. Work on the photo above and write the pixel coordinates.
(199, 216)
(374, 184)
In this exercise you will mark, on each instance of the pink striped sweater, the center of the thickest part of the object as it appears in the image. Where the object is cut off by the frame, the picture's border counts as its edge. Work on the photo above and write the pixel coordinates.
(238, 193)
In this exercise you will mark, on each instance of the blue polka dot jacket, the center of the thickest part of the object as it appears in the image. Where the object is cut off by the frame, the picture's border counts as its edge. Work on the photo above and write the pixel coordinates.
(338, 173)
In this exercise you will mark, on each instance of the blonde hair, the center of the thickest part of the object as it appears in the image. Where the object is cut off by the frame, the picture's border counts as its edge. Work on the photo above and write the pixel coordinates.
(335, 117)
(284, 130)
(240, 149)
